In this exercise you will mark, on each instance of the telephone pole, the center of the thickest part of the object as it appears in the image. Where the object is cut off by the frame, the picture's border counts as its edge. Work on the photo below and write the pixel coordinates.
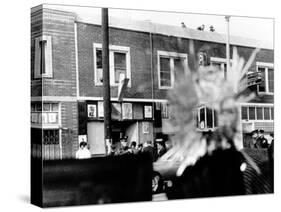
(106, 78)
(227, 45)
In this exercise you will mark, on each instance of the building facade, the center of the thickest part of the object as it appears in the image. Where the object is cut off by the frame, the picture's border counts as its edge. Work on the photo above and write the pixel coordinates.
(66, 79)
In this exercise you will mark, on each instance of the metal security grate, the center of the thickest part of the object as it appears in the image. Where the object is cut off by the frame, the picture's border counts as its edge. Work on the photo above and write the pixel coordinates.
(50, 137)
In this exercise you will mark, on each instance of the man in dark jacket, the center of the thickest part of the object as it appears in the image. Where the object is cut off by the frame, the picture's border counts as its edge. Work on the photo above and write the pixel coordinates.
(262, 142)
(148, 148)
(253, 143)
(160, 149)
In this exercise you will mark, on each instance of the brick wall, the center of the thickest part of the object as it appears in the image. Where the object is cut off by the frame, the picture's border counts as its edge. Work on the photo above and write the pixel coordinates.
(60, 26)
(140, 60)
(140, 52)
(36, 31)
(170, 44)
(69, 121)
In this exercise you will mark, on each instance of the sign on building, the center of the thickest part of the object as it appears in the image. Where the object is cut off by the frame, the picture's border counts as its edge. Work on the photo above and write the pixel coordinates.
(147, 111)
(127, 111)
(92, 111)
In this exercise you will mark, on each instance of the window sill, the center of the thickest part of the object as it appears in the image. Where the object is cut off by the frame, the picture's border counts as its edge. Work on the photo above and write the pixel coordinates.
(114, 85)
(45, 126)
(43, 76)
(165, 88)
(255, 120)
(265, 93)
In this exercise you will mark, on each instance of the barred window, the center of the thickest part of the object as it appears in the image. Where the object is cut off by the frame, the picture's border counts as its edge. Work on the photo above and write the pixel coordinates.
(50, 136)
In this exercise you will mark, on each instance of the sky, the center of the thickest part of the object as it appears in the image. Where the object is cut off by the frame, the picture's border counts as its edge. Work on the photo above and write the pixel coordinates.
(250, 27)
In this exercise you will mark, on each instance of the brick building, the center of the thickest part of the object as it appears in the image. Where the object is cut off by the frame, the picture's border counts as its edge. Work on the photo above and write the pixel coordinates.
(66, 86)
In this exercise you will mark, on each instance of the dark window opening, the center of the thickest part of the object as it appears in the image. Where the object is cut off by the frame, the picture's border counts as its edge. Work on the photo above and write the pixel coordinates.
(42, 45)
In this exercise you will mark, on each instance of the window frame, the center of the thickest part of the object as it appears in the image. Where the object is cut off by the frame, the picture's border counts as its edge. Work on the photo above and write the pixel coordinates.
(205, 120)
(112, 50)
(266, 66)
(271, 119)
(171, 56)
(48, 126)
(48, 58)
(222, 61)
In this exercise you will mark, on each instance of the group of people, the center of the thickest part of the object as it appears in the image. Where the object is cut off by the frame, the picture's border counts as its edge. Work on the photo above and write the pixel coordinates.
(123, 147)
(156, 150)
(259, 141)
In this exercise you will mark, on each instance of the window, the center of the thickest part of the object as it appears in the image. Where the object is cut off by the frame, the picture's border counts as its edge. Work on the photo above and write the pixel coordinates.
(220, 64)
(244, 113)
(171, 66)
(266, 113)
(43, 57)
(119, 63)
(50, 136)
(165, 72)
(267, 71)
(257, 113)
(272, 113)
(45, 114)
(165, 111)
(262, 86)
(45, 129)
(252, 113)
(207, 118)
(270, 79)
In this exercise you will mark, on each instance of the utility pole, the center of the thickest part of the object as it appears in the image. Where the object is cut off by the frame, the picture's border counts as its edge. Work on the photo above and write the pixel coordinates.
(106, 78)
(239, 124)
(227, 45)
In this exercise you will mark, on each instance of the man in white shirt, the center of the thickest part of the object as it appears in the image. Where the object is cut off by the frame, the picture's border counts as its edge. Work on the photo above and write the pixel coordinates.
(83, 152)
